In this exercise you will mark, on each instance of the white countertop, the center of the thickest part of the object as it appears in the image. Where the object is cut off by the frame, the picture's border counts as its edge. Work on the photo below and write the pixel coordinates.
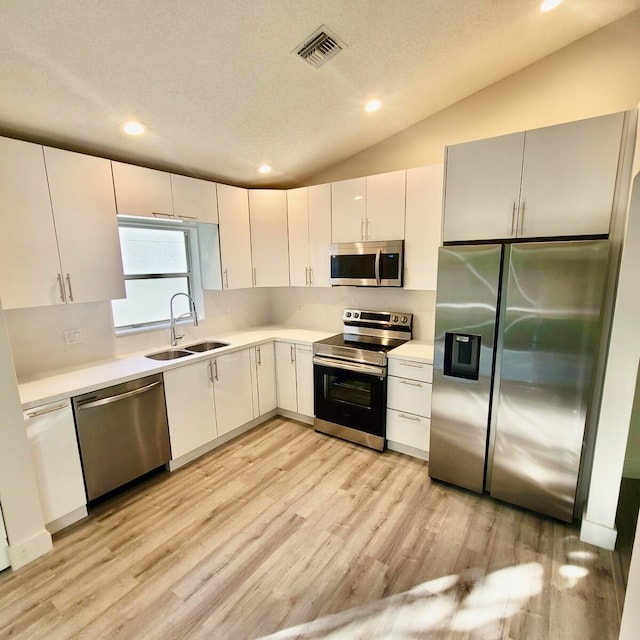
(416, 350)
(60, 385)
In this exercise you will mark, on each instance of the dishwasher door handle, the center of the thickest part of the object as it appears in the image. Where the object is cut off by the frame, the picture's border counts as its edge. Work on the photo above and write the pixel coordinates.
(121, 396)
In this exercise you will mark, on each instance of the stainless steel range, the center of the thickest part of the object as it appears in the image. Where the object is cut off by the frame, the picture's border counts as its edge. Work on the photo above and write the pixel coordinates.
(349, 374)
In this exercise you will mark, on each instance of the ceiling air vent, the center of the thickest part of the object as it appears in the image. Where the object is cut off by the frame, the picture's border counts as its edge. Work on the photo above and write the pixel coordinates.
(319, 47)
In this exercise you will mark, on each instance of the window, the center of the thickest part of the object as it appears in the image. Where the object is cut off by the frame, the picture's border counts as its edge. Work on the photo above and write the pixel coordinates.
(157, 262)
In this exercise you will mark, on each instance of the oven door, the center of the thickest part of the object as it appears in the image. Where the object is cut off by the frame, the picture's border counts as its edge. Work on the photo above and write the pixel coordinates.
(350, 401)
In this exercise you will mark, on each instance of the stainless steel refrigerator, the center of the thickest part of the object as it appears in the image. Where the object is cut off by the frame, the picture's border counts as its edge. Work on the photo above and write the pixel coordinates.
(517, 327)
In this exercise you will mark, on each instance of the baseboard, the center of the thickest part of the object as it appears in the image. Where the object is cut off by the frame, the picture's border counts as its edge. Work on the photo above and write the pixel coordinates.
(285, 413)
(30, 550)
(598, 535)
(172, 465)
(67, 520)
(408, 450)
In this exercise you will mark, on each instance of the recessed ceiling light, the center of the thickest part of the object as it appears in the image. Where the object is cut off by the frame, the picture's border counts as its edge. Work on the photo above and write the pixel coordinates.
(264, 168)
(133, 128)
(547, 5)
(372, 105)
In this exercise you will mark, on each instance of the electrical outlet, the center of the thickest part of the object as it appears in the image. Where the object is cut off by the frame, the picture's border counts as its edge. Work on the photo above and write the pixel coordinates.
(72, 336)
(299, 307)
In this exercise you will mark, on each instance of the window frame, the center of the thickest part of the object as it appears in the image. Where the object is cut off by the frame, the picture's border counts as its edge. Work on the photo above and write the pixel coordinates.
(192, 274)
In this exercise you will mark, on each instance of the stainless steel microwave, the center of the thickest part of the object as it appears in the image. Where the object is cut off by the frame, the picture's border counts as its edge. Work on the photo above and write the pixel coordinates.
(367, 264)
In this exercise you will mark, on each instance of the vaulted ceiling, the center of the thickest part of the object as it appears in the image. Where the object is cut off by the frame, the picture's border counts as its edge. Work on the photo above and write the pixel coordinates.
(220, 92)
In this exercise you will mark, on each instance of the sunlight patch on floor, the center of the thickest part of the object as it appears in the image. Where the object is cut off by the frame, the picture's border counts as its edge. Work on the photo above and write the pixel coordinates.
(464, 602)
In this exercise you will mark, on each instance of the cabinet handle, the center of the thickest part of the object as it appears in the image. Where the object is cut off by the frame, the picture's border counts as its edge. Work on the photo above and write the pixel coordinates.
(415, 365)
(411, 384)
(215, 367)
(310, 276)
(255, 279)
(366, 221)
(362, 229)
(226, 279)
(293, 353)
(406, 417)
(259, 358)
(513, 217)
(63, 293)
(211, 371)
(159, 214)
(522, 218)
(183, 217)
(306, 276)
(41, 412)
(70, 290)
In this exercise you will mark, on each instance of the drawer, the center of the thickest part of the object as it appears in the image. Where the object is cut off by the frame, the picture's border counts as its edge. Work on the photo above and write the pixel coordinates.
(411, 396)
(410, 430)
(411, 369)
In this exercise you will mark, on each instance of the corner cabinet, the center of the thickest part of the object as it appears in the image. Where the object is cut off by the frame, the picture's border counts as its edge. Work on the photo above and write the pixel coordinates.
(549, 182)
(235, 237)
(67, 254)
(263, 363)
(368, 209)
(309, 218)
(269, 239)
(294, 372)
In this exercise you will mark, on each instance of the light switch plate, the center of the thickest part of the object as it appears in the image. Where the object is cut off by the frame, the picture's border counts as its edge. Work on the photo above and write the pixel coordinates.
(72, 336)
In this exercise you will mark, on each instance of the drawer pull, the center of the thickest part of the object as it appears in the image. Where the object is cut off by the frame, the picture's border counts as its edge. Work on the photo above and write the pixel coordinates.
(415, 365)
(41, 412)
(411, 384)
(406, 417)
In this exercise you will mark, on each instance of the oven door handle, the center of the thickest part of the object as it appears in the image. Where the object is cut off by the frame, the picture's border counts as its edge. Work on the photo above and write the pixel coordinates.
(350, 366)
(378, 253)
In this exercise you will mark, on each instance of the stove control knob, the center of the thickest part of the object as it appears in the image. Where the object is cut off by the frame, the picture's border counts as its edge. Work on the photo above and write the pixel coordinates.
(348, 314)
(356, 314)
(405, 319)
(395, 319)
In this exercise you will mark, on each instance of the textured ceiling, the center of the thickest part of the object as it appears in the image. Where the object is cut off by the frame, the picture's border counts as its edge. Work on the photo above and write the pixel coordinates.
(216, 84)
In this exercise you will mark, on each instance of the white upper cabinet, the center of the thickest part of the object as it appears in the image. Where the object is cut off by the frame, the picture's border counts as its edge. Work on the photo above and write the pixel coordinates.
(86, 225)
(70, 254)
(556, 181)
(423, 226)
(141, 191)
(569, 177)
(309, 216)
(370, 208)
(385, 206)
(194, 199)
(30, 274)
(235, 237)
(269, 237)
(482, 188)
(348, 210)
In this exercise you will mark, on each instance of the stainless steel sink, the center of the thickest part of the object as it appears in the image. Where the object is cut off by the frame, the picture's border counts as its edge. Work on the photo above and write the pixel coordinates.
(171, 354)
(199, 347)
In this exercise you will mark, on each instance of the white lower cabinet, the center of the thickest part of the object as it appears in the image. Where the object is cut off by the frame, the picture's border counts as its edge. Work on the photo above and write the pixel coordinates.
(56, 461)
(190, 407)
(232, 390)
(265, 394)
(294, 372)
(409, 406)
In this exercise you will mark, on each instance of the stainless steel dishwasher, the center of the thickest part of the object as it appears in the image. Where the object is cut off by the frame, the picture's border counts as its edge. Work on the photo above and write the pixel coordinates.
(122, 432)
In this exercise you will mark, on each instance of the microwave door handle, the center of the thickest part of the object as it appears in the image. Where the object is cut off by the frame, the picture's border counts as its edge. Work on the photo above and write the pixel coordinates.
(378, 252)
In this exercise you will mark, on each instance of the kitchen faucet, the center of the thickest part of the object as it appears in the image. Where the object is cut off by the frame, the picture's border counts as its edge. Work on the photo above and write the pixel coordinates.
(193, 313)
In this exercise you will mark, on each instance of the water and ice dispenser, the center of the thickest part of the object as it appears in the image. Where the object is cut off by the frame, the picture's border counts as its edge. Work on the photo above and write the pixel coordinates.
(461, 355)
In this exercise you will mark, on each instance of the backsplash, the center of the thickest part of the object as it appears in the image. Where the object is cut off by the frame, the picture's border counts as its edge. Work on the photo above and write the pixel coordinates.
(37, 334)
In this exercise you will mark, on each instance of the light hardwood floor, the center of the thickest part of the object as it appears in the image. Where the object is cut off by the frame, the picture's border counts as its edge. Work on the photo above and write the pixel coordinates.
(285, 533)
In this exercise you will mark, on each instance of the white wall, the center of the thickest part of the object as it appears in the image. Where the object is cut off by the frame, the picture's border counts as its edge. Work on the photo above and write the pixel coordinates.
(19, 497)
(598, 524)
(593, 76)
(37, 335)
